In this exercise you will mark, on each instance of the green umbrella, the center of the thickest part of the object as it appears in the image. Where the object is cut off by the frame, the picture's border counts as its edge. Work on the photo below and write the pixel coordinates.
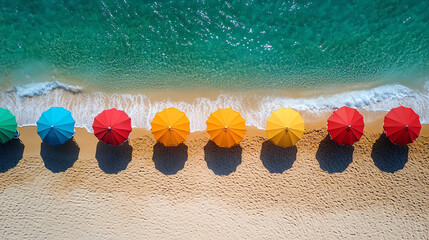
(7, 125)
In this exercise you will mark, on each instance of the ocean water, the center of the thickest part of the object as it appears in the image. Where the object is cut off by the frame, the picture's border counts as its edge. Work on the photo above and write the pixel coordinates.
(90, 55)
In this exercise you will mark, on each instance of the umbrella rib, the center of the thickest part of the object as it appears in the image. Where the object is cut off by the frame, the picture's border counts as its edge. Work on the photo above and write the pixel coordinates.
(5, 136)
(412, 130)
(178, 119)
(215, 121)
(217, 128)
(121, 121)
(113, 130)
(180, 130)
(60, 132)
(276, 129)
(278, 126)
(163, 129)
(104, 133)
(58, 137)
(338, 134)
(235, 134)
(391, 132)
(178, 136)
(280, 132)
(394, 120)
(333, 128)
(294, 117)
(216, 135)
(292, 132)
(66, 115)
(183, 128)
(65, 123)
(7, 129)
(7, 119)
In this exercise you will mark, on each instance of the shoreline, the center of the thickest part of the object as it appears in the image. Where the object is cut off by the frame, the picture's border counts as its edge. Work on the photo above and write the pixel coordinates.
(255, 108)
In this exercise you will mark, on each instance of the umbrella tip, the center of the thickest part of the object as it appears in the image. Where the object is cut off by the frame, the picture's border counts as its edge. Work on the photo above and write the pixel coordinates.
(169, 127)
(52, 126)
(226, 127)
(287, 128)
(350, 126)
(109, 128)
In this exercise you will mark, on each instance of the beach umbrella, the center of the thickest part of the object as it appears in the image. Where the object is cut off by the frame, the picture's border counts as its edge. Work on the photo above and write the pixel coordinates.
(170, 127)
(285, 127)
(345, 126)
(7, 125)
(56, 126)
(226, 127)
(402, 125)
(112, 126)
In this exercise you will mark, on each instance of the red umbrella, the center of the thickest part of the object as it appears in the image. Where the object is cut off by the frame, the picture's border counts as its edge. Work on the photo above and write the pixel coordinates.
(112, 126)
(402, 125)
(345, 126)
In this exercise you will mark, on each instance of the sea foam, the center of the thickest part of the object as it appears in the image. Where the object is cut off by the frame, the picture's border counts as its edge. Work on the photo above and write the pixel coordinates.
(34, 89)
(29, 101)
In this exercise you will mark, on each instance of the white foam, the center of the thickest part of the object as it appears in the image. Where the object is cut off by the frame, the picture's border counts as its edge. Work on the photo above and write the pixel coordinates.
(42, 88)
(382, 98)
(255, 110)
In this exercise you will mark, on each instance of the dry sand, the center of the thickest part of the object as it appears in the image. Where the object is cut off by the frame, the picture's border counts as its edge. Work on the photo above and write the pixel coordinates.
(142, 190)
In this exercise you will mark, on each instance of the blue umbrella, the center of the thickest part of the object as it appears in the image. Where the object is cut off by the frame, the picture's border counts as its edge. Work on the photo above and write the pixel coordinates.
(56, 126)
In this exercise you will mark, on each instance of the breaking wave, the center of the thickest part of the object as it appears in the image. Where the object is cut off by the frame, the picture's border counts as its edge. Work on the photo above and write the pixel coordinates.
(34, 89)
(28, 102)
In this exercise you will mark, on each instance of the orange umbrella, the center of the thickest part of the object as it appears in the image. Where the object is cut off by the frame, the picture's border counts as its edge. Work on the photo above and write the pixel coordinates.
(170, 127)
(226, 127)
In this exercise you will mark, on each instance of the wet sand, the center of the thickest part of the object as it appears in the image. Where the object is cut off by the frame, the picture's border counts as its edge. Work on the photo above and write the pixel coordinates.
(315, 190)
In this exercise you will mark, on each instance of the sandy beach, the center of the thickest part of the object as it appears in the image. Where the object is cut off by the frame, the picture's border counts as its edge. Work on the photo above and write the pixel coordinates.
(315, 190)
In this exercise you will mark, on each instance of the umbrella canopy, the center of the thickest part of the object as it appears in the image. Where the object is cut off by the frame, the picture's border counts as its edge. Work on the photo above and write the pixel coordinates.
(56, 126)
(7, 125)
(170, 127)
(226, 127)
(112, 126)
(402, 125)
(345, 126)
(285, 127)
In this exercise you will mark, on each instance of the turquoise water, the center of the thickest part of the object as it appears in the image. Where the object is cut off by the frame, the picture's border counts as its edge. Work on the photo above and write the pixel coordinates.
(87, 56)
(125, 45)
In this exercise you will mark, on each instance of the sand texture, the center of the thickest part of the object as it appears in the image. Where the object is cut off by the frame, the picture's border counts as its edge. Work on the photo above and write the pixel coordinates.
(143, 190)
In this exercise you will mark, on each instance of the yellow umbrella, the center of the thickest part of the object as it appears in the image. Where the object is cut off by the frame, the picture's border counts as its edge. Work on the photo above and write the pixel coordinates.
(226, 127)
(285, 127)
(170, 127)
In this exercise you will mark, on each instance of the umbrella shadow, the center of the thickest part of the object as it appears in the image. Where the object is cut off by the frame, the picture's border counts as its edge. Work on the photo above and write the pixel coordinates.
(387, 156)
(333, 157)
(113, 159)
(277, 159)
(169, 160)
(59, 158)
(11, 153)
(222, 161)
